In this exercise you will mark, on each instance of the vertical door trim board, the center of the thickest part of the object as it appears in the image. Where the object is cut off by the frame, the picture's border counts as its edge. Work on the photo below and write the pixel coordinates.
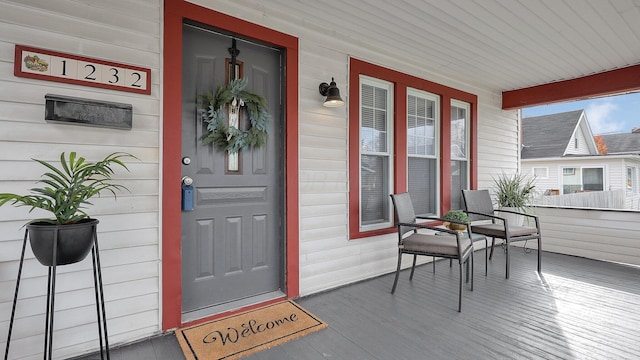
(175, 11)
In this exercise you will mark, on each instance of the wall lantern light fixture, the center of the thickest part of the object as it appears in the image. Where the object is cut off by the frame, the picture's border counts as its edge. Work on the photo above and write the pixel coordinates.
(332, 93)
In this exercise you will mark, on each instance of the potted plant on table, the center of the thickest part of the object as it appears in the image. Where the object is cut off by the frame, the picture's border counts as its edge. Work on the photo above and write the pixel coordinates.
(456, 215)
(514, 192)
(65, 194)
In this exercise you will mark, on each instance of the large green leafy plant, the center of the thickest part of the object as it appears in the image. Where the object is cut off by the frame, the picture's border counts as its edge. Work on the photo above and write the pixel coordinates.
(69, 187)
(515, 190)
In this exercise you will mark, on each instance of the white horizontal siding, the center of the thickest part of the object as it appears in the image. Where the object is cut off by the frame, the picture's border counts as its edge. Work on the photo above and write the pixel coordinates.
(597, 234)
(125, 31)
(583, 146)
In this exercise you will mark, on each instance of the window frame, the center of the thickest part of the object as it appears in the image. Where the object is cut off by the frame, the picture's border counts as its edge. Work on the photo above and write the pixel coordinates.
(401, 83)
(437, 135)
(579, 170)
(633, 177)
(546, 171)
(467, 106)
(389, 146)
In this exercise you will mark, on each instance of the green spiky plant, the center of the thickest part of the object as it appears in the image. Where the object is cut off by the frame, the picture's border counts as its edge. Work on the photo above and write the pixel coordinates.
(69, 187)
(515, 191)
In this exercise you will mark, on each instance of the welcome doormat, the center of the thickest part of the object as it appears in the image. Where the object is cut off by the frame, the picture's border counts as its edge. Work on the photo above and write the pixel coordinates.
(246, 333)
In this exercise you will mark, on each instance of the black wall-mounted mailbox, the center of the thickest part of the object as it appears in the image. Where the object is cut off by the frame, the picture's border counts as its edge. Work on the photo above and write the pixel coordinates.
(72, 110)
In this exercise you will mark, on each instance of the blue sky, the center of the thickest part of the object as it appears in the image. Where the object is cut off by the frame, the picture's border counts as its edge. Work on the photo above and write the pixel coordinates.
(606, 115)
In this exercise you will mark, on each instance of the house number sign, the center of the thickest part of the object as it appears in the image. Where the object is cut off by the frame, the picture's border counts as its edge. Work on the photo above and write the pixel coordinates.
(55, 66)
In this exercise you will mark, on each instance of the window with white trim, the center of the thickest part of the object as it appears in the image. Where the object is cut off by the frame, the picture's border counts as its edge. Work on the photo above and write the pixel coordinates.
(578, 179)
(459, 151)
(422, 150)
(376, 153)
(632, 185)
(541, 172)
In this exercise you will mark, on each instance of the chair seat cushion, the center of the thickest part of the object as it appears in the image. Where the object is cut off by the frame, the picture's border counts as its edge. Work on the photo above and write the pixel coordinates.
(432, 244)
(497, 230)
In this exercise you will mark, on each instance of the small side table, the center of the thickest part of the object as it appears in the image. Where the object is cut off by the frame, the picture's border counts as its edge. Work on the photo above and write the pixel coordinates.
(51, 295)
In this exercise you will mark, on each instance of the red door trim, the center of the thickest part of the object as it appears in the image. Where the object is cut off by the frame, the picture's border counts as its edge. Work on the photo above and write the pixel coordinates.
(175, 11)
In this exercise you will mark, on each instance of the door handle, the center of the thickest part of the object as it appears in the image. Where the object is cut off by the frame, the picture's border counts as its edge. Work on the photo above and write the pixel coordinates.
(187, 193)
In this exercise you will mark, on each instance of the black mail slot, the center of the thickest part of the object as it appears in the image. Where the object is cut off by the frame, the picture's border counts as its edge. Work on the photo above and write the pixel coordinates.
(72, 110)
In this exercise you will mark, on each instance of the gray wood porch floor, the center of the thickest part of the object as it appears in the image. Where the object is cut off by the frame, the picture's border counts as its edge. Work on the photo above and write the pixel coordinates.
(577, 309)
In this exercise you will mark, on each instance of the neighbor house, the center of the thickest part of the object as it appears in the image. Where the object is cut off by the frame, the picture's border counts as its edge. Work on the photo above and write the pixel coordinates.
(561, 152)
(431, 89)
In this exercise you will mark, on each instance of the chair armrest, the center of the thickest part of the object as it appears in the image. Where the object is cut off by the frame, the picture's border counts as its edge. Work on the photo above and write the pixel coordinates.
(485, 214)
(517, 213)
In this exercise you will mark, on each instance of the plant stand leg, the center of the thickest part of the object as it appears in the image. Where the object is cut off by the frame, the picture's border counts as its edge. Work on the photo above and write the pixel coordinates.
(15, 296)
(100, 308)
(51, 296)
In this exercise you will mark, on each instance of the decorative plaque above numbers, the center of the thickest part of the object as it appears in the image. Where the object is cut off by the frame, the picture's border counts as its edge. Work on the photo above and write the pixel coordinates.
(55, 66)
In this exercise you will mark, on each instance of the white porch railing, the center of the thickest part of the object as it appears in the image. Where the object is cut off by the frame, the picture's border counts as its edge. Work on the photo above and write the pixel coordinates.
(602, 234)
(592, 199)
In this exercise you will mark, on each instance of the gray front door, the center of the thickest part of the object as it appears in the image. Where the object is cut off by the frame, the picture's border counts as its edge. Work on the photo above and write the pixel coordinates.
(233, 239)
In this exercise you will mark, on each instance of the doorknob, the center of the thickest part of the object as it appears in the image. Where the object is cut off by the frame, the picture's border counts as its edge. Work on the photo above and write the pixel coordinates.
(187, 193)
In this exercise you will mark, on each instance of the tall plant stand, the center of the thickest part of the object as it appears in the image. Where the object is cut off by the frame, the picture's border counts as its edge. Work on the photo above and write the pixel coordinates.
(51, 295)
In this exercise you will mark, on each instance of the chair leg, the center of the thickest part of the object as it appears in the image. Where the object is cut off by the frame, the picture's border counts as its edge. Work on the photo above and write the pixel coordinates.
(539, 255)
(508, 258)
(413, 267)
(493, 243)
(486, 256)
(460, 289)
(472, 264)
(395, 282)
(467, 270)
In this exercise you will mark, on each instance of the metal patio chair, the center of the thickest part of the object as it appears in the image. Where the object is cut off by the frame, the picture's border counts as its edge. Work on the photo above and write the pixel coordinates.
(479, 207)
(410, 241)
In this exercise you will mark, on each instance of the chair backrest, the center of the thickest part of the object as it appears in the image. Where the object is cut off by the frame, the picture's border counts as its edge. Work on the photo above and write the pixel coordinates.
(405, 213)
(478, 201)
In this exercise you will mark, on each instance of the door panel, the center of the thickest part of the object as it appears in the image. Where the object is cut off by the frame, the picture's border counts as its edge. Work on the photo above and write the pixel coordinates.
(232, 242)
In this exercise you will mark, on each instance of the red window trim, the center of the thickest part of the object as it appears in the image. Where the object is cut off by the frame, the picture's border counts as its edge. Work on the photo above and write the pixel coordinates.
(401, 82)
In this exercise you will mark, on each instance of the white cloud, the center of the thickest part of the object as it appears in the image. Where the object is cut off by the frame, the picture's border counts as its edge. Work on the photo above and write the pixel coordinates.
(600, 117)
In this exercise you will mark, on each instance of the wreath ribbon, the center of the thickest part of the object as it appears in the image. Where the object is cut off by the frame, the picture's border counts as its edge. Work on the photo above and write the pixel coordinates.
(230, 138)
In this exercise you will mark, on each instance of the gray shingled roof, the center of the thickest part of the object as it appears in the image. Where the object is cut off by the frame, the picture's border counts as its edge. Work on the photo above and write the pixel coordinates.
(622, 143)
(548, 135)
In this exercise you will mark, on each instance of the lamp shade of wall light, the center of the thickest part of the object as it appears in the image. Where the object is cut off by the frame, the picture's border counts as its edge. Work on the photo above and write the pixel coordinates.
(332, 93)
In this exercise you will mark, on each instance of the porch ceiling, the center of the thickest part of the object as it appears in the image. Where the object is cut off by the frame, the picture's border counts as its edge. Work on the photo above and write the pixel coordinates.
(499, 44)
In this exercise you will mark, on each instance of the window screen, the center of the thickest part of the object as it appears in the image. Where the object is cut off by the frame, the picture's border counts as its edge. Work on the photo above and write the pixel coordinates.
(375, 155)
(459, 152)
(422, 150)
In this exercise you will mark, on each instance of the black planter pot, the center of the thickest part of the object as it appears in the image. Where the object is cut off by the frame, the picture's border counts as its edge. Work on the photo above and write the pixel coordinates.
(74, 241)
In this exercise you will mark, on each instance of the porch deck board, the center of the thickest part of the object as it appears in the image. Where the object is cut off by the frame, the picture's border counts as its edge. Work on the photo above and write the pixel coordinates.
(577, 309)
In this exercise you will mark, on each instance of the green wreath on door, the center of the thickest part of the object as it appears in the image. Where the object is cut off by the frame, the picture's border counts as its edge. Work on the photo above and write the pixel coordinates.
(214, 114)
